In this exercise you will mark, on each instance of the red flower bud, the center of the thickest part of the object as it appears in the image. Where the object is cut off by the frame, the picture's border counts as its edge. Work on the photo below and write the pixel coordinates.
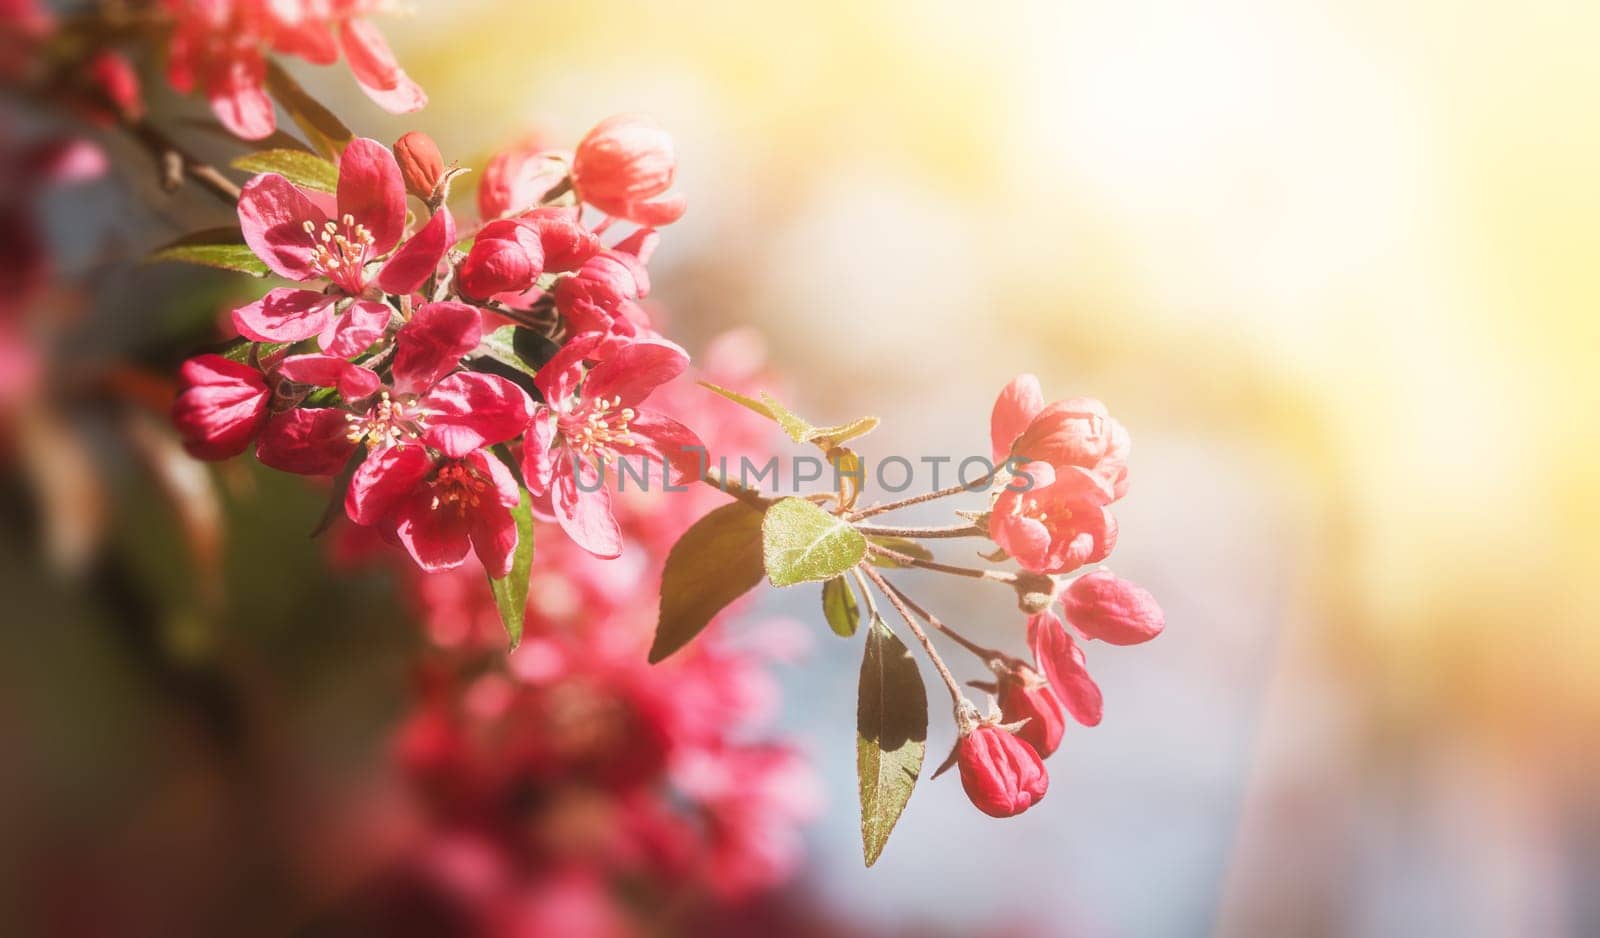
(220, 407)
(623, 163)
(1001, 774)
(119, 83)
(1025, 696)
(567, 244)
(1104, 606)
(505, 258)
(421, 165)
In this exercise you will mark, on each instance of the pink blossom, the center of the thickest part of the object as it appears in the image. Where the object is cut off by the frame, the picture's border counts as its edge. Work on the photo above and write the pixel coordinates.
(428, 402)
(1102, 605)
(622, 164)
(1053, 521)
(219, 46)
(1073, 432)
(285, 228)
(591, 418)
(1061, 661)
(439, 507)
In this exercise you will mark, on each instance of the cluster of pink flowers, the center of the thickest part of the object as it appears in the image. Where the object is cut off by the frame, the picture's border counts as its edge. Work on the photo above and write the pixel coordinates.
(1053, 517)
(220, 48)
(551, 783)
(368, 356)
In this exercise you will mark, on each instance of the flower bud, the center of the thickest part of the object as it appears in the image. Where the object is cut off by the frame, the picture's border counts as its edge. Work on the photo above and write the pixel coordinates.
(623, 163)
(1025, 696)
(567, 245)
(421, 165)
(1104, 606)
(1001, 774)
(220, 406)
(505, 258)
(116, 80)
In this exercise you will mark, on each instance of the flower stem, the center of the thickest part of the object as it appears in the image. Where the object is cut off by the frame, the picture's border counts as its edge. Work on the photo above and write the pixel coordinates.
(985, 653)
(950, 683)
(744, 493)
(998, 576)
(973, 486)
(954, 530)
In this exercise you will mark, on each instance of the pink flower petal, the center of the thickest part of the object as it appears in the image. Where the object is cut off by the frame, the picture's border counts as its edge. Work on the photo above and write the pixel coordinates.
(372, 192)
(234, 88)
(354, 331)
(431, 345)
(376, 70)
(469, 410)
(383, 481)
(635, 371)
(273, 213)
(330, 371)
(1062, 663)
(285, 315)
(437, 537)
(585, 513)
(560, 375)
(1019, 402)
(306, 440)
(538, 453)
(419, 257)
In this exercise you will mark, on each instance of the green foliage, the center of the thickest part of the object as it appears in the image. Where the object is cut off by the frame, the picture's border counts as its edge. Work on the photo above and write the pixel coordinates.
(839, 607)
(223, 248)
(802, 543)
(715, 562)
(511, 590)
(891, 734)
(304, 169)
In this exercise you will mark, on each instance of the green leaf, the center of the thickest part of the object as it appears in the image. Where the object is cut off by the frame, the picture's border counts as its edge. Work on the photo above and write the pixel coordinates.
(800, 543)
(891, 734)
(740, 399)
(839, 607)
(899, 545)
(306, 170)
(715, 562)
(828, 437)
(323, 130)
(222, 248)
(792, 424)
(511, 590)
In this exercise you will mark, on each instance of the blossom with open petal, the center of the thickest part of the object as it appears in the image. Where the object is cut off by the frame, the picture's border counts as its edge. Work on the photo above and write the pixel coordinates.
(591, 419)
(1074, 432)
(284, 226)
(1061, 662)
(428, 402)
(440, 506)
(1054, 520)
(220, 45)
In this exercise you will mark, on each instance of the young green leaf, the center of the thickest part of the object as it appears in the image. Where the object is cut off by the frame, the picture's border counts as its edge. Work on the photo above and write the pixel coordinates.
(307, 170)
(839, 607)
(801, 542)
(891, 734)
(511, 590)
(740, 399)
(715, 562)
(828, 437)
(899, 545)
(797, 429)
(323, 130)
(223, 248)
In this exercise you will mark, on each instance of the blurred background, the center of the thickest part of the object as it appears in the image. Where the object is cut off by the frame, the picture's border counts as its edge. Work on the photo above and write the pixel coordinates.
(1335, 265)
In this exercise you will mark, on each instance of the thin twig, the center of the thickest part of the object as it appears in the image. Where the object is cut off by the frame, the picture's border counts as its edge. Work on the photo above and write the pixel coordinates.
(956, 696)
(976, 485)
(997, 576)
(954, 530)
(176, 163)
(987, 654)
